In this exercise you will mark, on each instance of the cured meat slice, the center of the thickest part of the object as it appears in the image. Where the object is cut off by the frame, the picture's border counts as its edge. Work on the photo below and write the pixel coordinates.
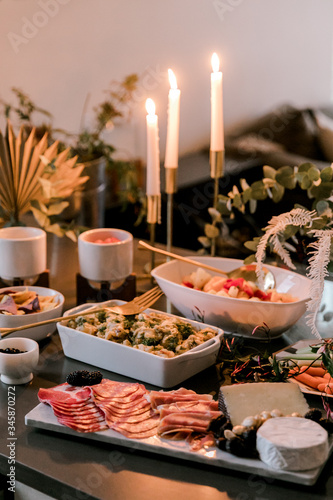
(206, 407)
(81, 420)
(90, 407)
(158, 398)
(143, 404)
(85, 427)
(74, 407)
(200, 405)
(173, 430)
(117, 403)
(142, 426)
(118, 390)
(194, 421)
(209, 415)
(198, 442)
(133, 419)
(65, 393)
(139, 435)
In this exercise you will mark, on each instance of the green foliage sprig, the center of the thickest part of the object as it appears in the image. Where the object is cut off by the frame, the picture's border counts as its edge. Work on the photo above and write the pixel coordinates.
(317, 184)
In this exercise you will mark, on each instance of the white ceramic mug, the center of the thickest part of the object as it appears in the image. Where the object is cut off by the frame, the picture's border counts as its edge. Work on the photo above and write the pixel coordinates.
(22, 252)
(105, 261)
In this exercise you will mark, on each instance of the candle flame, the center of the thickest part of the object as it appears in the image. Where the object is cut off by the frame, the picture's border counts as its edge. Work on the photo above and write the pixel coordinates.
(172, 79)
(215, 62)
(150, 106)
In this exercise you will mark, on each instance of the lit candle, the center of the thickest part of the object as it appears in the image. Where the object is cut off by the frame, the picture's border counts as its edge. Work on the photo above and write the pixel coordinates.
(172, 140)
(153, 152)
(216, 131)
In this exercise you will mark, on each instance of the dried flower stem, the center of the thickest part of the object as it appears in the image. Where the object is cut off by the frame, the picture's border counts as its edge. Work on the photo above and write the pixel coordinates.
(318, 262)
(276, 226)
(317, 271)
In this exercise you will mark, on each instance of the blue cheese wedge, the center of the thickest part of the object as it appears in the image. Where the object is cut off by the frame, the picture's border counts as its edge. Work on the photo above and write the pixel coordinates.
(294, 444)
(243, 400)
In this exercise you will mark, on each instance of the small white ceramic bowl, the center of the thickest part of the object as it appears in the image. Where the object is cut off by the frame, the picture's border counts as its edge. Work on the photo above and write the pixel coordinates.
(40, 332)
(18, 368)
(238, 316)
(105, 261)
(23, 252)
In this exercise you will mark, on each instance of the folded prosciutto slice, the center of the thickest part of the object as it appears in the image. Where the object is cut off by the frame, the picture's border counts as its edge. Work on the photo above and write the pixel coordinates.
(184, 413)
(158, 398)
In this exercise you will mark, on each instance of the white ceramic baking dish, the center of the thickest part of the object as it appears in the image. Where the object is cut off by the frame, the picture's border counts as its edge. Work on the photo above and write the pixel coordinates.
(139, 365)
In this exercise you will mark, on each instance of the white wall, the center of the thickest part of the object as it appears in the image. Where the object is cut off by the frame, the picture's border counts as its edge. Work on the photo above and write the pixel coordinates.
(272, 52)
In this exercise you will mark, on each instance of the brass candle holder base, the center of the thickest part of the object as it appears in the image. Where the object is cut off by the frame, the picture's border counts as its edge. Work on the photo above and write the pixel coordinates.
(216, 172)
(170, 189)
(153, 217)
(216, 160)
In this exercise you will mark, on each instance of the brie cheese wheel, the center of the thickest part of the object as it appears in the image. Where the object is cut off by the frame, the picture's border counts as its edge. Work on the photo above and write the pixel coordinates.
(291, 443)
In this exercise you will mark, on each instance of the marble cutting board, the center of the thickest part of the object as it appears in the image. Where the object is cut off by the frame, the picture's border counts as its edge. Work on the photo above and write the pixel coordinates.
(42, 417)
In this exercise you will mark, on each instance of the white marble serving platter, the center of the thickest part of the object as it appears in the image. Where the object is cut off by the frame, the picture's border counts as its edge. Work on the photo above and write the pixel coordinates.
(42, 417)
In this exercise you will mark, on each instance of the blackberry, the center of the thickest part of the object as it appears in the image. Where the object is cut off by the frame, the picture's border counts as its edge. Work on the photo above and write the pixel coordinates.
(236, 446)
(95, 378)
(83, 377)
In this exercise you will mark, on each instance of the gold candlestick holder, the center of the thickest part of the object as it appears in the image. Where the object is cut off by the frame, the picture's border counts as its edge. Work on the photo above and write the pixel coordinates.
(170, 189)
(153, 217)
(216, 172)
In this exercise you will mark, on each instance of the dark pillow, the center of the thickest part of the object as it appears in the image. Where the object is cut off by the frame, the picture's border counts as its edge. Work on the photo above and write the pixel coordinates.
(325, 134)
(296, 130)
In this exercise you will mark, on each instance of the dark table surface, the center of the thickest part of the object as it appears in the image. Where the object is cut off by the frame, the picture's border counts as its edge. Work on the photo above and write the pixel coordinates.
(67, 467)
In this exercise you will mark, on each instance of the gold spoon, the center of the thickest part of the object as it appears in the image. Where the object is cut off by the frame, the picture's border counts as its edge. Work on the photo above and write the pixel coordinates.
(248, 272)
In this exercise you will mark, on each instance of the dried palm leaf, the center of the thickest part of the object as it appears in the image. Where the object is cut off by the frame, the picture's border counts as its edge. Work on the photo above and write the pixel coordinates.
(33, 174)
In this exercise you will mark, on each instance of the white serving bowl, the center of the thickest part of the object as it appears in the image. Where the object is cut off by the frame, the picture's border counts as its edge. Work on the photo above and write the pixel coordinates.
(39, 332)
(105, 261)
(23, 252)
(134, 363)
(238, 316)
(18, 368)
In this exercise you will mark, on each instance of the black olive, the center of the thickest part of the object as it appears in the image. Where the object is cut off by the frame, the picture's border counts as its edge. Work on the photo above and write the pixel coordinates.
(11, 350)
(236, 446)
(249, 437)
(314, 414)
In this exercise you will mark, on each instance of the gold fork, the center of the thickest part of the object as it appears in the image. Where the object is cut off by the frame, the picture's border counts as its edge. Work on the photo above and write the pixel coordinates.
(135, 306)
